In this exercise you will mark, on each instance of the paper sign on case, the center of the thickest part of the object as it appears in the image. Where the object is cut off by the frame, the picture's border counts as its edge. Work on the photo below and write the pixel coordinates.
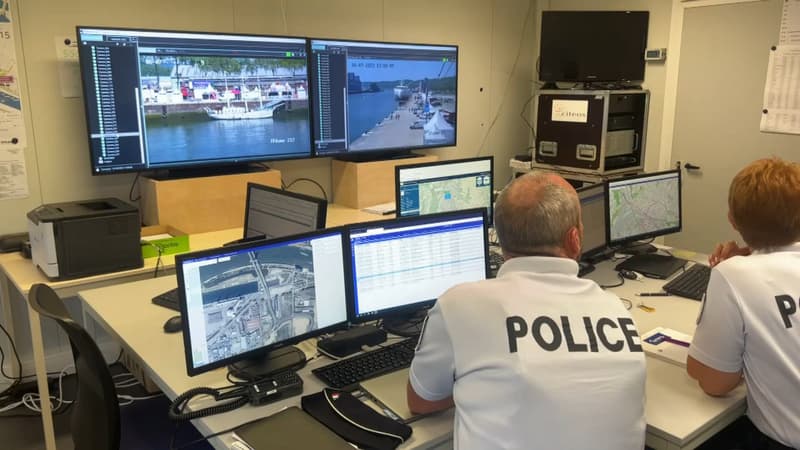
(570, 111)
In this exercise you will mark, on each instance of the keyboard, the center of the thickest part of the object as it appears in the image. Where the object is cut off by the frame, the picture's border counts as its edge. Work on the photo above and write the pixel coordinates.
(495, 261)
(690, 284)
(168, 299)
(382, 208)
(347, 373)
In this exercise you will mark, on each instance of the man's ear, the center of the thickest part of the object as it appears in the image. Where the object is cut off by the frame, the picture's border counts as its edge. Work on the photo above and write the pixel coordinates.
(572, 243)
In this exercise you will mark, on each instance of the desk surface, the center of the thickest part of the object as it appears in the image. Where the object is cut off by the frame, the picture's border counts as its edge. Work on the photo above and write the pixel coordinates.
(126, 312)
(676, 409)
(678, 413)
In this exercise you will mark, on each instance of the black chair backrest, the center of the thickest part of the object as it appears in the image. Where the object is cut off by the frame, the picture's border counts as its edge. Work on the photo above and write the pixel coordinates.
(95, 413)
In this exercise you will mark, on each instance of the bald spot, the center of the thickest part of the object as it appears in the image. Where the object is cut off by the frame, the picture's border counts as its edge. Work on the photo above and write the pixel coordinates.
(526, 191)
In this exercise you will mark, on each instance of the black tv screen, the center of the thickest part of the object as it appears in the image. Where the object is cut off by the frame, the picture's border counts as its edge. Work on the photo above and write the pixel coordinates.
(588, 46)
(171, 99)
(376, 97)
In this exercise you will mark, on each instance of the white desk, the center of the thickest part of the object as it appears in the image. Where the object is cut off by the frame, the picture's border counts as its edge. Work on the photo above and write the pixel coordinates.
(126, 311)
(679, 415)
(18, 274)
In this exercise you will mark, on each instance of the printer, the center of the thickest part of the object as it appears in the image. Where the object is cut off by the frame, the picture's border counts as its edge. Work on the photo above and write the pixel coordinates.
(77, 239)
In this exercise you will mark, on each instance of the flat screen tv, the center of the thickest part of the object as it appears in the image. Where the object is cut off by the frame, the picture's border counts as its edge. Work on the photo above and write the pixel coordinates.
(376, 97)
(593, 46)
(175, 100)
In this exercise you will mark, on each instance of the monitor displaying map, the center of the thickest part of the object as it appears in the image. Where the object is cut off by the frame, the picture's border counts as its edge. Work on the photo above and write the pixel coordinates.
(444, 186)
(245, 300)
(643, 206)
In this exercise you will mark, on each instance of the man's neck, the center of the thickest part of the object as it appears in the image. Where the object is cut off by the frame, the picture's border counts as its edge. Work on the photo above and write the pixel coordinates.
(551, 254)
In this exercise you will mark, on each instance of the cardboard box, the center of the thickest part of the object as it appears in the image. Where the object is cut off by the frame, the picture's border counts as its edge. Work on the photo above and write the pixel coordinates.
(201, 204)
(362, 184)
(177, 243)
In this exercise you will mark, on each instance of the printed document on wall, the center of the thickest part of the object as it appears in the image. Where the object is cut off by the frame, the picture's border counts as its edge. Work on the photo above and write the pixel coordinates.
(12, 125)
(790, 23)
(781, 108)
(13, 178)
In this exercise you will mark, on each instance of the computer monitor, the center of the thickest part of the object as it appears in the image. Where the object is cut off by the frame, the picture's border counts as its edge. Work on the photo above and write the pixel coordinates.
(271, 212)
(176, 99)
(377, 97)
(593, 214)
(592, 46)
(643, 206)
(444, 186)
(403, 265)
(244, 305)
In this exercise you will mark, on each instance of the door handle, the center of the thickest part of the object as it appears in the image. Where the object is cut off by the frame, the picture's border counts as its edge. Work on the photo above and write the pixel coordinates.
(690, 166)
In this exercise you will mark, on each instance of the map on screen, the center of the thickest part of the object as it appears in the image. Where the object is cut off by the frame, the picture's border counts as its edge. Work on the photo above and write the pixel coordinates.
(644, 205)
(454, 194)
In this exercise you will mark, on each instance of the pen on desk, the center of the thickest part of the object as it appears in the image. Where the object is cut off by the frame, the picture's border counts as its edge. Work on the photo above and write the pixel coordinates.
(653, 294)
(676, 341)
(386, 213)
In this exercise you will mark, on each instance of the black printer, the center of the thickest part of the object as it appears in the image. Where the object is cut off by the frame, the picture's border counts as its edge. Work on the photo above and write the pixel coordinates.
(82, 238)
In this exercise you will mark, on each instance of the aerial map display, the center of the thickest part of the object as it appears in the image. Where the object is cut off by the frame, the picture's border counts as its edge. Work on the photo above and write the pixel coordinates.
(454, 194)
(252, 300)
(642, 207)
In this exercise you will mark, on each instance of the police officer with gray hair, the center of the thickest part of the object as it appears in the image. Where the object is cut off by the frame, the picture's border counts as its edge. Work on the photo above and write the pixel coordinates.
(529, 359)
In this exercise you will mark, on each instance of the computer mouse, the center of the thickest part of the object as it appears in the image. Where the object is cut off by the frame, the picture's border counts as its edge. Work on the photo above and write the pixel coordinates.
(628, 274)
(173, 324)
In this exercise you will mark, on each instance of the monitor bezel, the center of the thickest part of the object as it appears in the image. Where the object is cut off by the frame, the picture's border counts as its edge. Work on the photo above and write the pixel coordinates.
(264, 350)
(227, 164)
(650, 234)
(322, 204)
(388, 152)
(401, 311)
(399, 168)
(600, 248)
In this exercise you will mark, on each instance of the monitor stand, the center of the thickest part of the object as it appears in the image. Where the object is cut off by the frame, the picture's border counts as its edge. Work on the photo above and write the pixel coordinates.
(284, 358)
(406, 325)
(637, 248)
(585, 268)
(586, 264)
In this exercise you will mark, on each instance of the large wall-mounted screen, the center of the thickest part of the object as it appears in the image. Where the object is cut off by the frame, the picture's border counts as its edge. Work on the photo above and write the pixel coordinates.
(383, 97)
(168, 99)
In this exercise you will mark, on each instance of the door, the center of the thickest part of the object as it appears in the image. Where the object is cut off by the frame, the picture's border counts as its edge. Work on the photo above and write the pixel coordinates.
(724, 55)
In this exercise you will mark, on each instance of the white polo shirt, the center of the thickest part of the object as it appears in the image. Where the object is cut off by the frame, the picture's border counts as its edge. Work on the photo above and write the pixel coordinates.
(535, 359)
(750, 321)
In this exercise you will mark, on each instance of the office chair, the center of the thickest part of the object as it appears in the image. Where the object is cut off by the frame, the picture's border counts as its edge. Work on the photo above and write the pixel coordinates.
(95, 417)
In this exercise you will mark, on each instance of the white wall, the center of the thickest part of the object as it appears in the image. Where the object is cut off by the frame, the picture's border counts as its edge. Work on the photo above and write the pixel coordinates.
(494, 74)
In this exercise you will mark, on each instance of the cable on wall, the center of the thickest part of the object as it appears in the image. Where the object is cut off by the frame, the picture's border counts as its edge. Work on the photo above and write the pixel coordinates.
(525, 24)
(324, 195)
(133, 185)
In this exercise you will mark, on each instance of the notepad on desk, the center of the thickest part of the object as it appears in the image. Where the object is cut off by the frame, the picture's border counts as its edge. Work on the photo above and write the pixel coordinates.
(381, 209)
(289, 429)
(667, 344)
